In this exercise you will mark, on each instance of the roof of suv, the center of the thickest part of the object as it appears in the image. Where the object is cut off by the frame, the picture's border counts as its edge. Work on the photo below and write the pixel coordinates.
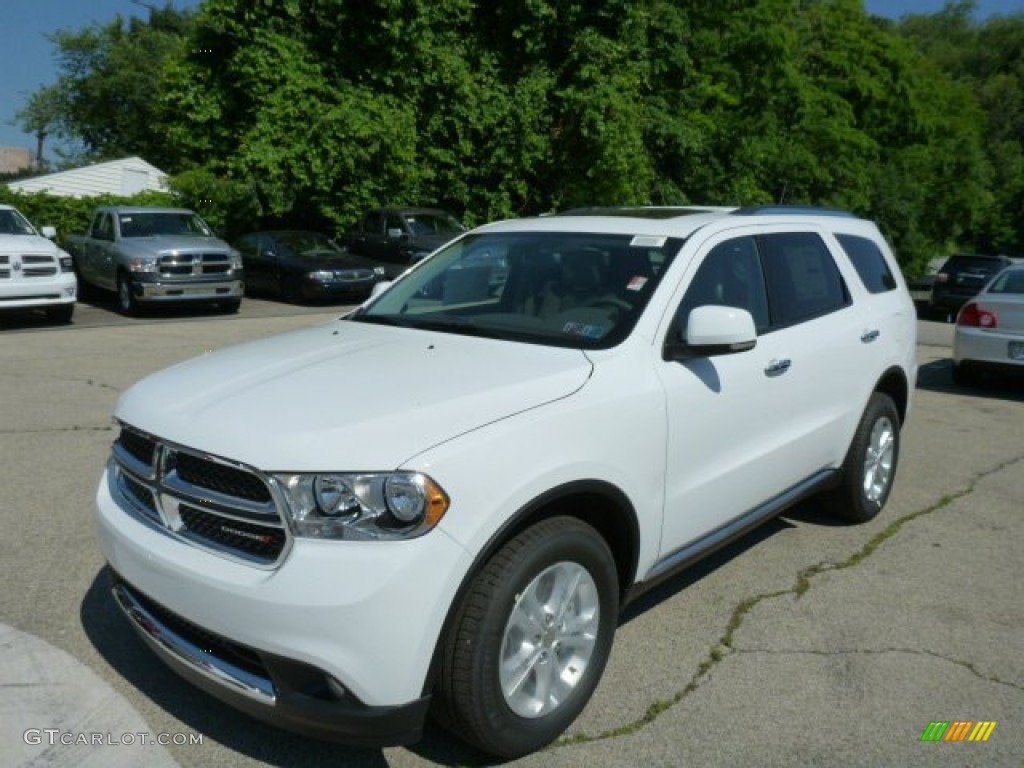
(673, 221)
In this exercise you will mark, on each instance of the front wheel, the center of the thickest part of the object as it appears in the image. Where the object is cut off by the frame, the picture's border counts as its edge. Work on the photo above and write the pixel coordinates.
(530, 639)
(60, 313)
(870, 466)
(126, 301)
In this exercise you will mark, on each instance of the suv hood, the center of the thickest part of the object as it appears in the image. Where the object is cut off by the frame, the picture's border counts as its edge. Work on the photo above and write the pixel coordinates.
(26, 244)
(347, 396)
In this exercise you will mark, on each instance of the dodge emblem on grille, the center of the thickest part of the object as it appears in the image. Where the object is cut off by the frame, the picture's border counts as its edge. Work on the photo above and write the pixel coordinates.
(16, 266)
(262, 538)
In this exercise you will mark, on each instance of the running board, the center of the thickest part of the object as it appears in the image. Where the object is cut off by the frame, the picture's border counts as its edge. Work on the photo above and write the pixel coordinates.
(720, 537)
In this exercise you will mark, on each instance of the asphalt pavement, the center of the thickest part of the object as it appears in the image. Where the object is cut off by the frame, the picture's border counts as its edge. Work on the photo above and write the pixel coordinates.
(808, 643)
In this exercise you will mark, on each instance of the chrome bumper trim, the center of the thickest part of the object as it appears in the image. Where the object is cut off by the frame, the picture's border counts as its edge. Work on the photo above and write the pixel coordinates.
(176, 650)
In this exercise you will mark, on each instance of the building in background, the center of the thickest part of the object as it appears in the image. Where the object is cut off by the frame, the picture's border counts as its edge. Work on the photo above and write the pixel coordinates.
(127, 176)
(16, 159)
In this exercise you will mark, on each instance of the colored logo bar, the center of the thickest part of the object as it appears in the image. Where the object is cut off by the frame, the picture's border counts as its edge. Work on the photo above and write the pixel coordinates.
(958, 730)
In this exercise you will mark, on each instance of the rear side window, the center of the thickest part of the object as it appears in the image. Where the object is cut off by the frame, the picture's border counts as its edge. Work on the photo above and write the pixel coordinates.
(803, 279)
(867, 259)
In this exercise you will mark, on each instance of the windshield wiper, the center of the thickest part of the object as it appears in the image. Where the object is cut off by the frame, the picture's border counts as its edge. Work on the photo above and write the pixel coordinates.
(360, 316)
(464, 327)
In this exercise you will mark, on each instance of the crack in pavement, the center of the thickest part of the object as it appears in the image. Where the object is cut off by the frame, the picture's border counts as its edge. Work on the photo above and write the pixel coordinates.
(725, 644)
(969, 666)
(56, 430)
(70, 380)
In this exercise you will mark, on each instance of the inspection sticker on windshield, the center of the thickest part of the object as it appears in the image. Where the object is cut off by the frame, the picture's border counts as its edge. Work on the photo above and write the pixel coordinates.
(647, 241)
(636, 283)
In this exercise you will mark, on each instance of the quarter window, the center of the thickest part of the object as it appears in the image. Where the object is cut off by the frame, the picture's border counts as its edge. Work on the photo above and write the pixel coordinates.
(869, 262)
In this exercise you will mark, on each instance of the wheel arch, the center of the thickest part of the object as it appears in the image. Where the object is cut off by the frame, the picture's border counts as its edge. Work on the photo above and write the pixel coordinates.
(894, 384)
(595, 502)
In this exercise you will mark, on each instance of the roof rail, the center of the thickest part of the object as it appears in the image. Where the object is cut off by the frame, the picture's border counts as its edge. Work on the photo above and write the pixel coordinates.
(799, 210)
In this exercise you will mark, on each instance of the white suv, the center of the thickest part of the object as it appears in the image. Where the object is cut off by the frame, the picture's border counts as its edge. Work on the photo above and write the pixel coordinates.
(442, 501)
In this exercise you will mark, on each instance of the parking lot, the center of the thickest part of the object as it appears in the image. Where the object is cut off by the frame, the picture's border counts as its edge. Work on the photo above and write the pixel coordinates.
(807, 643)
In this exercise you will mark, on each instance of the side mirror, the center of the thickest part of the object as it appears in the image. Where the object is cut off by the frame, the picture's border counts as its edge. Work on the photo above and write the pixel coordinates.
(50, 233)
(378, 289)
(712, 330)
(395, 234)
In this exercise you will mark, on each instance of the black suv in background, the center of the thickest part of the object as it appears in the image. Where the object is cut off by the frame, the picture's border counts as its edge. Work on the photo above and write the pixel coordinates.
(960, 279)
(400, 237)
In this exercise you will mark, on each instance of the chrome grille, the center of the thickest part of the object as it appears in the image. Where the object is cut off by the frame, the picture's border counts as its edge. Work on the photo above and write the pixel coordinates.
(193, 264)
(208, 501)
(220, 477)
(28, 265)
(354, 275)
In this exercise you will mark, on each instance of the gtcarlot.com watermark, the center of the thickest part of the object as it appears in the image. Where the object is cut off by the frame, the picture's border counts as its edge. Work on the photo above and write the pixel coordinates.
(52, 737)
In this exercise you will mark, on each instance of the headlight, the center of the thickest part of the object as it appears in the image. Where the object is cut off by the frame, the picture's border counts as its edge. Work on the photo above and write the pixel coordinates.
(392, 505)
(142, 264)
(235, 258)
(380, 271)
(66, 263)
(322, 275)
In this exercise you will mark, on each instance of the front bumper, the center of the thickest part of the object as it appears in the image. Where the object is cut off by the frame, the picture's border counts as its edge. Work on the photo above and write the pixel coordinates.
(272, 689)
(313, 290)
(156, 291)
(39, 292)
(336, 642)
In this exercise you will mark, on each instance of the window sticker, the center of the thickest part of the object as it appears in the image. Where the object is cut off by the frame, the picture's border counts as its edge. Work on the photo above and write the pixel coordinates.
(636, 283)
(647, 241)
(575, 328)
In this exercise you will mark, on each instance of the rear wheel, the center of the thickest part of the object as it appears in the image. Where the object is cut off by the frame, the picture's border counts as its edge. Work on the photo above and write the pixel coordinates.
(530, 639)
(870, 466)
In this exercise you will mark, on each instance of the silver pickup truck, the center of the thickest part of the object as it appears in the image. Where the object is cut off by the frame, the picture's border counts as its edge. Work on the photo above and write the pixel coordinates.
(151, 255)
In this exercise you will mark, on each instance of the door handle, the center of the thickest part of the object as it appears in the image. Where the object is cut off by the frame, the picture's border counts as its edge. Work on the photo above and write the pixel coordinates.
(868, 336)
(777, 367)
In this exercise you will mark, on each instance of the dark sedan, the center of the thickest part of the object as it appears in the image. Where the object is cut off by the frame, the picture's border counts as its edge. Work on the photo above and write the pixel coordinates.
(305, 266)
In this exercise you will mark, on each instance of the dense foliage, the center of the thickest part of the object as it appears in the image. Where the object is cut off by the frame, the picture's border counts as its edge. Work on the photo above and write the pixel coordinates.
(304, 112)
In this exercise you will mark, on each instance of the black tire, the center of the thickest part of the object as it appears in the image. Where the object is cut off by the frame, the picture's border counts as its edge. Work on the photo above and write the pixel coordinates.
(870, 465)
(127, 304)
(964, 375)
(60, 313)
(470, 699)
(230, 306)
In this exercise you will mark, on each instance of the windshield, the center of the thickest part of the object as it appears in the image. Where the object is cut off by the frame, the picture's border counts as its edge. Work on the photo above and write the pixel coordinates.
(429, 224)
(151, 223)
(13, 223)
(308, 244)
(563, 289)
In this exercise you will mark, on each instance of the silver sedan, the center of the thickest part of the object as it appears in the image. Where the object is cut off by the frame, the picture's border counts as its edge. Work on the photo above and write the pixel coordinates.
(990, 329)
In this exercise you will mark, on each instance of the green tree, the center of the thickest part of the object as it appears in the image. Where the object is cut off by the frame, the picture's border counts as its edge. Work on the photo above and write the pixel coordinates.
(987, 59)
(105, 98)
